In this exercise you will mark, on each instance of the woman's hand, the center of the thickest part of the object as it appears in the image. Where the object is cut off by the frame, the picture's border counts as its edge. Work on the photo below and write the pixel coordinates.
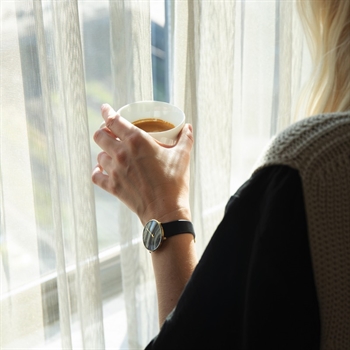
(153, 181)
(150, 178)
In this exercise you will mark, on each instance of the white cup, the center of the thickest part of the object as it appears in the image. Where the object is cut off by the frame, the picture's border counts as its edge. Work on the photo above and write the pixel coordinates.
(157, 110)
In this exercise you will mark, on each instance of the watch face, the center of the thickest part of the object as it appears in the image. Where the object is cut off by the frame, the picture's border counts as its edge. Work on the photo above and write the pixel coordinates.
(152, 235)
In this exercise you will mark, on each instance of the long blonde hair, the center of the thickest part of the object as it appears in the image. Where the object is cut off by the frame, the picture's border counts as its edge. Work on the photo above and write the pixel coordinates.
(327, 27)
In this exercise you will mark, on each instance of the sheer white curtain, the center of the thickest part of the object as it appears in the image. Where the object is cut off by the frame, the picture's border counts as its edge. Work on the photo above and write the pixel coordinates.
(47, 204)
(236, 68)
(132, 81)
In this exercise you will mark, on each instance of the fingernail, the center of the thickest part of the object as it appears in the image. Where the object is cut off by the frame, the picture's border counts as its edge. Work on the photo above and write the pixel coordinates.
(104, 106)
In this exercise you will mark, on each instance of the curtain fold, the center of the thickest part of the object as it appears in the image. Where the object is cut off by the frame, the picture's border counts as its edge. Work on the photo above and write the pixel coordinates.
(208, 105)
(62, 284)
(44, 96)
(72, 83)
(132, 81)
(18, 226)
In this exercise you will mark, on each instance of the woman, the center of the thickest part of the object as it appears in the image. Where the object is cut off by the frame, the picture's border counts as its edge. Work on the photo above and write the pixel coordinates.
(269, 275)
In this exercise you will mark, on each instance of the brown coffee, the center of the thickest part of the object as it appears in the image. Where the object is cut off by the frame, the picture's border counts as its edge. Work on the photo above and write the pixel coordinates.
(153, 125)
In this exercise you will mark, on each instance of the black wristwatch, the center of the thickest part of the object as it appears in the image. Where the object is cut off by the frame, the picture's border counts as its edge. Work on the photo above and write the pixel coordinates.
(155, 232)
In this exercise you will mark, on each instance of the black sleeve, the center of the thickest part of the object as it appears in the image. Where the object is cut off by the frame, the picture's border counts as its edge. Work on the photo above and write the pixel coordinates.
(253, 287)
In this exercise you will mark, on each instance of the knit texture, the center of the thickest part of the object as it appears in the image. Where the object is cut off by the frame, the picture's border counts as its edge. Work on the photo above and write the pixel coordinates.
(319, 148)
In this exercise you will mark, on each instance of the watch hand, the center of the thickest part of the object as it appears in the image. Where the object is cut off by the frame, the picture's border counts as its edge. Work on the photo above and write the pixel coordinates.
(149, 232)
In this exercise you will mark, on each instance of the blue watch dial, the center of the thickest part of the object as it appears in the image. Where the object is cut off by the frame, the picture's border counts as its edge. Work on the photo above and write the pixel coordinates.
(153, 235)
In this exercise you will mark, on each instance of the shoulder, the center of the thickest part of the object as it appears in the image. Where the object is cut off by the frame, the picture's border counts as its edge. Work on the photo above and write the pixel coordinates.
(319, 149)
(264, 183)
(310, 143)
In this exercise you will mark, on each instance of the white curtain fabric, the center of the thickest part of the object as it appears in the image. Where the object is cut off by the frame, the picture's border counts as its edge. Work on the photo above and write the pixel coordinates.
(47, 203)
(132, 81)
(236, 68)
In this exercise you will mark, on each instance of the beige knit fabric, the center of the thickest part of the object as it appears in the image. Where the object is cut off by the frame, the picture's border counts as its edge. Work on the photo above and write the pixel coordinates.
(319, 148)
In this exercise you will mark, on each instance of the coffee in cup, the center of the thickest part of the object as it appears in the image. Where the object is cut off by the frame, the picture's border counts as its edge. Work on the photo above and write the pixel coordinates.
(162, 120)
(153, 125)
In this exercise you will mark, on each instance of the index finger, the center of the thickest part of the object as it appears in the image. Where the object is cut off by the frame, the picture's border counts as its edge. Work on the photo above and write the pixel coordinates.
(117, 124)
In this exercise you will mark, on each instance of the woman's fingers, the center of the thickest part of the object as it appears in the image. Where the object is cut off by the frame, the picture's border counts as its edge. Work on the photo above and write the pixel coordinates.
(118, 131)
(185, 140)
(99, 178)
(105, 162)
(117, 124)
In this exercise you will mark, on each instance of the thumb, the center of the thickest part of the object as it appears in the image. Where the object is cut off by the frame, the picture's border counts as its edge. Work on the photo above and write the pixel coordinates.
(186, 137)
(106, 111)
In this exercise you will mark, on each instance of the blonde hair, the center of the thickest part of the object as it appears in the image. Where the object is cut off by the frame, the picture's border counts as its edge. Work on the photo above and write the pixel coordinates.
(327, 27)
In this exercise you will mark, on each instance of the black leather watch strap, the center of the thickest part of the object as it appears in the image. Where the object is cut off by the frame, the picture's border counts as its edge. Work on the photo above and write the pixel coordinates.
(177, 227)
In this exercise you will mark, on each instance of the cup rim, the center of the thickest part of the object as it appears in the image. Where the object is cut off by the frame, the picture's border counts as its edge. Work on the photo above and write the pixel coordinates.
(150, 102)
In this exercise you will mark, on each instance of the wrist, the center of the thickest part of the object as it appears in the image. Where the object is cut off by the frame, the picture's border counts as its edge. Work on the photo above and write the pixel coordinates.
(168, 204)
(179, 214)
(163, 215)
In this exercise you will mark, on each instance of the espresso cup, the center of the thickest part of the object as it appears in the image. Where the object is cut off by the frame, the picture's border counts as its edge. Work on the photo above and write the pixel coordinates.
(162, 120)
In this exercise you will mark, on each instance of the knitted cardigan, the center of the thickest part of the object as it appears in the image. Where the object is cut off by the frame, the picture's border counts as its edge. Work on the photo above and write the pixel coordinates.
(319, 148)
